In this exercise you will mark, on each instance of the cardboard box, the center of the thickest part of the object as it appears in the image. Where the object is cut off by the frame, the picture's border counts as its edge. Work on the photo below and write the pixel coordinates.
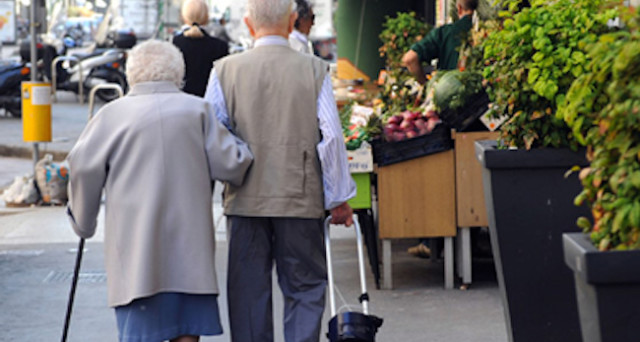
(361, 160)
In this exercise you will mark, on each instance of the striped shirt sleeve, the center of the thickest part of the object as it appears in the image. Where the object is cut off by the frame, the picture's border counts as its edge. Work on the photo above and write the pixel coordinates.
(336, 179)
(215, 97)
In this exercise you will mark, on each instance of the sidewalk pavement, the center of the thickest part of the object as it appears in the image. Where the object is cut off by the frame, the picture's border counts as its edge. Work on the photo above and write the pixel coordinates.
(38, 250)
(37, 255)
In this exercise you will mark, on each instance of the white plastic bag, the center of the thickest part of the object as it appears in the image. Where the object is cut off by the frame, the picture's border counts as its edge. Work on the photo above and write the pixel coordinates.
(52, 179)
(21, 192)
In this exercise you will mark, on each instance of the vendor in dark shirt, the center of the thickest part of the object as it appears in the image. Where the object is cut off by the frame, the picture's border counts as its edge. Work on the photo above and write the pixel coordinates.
(441, 43)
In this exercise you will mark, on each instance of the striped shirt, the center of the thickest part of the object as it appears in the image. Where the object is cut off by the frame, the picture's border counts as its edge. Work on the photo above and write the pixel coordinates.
(336, 179)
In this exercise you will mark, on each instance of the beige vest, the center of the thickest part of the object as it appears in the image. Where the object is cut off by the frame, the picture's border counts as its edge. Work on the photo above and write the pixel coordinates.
(271, 93)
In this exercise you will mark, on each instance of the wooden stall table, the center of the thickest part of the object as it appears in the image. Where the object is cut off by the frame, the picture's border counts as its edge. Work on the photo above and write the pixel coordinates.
(416, 199)
(471, 210)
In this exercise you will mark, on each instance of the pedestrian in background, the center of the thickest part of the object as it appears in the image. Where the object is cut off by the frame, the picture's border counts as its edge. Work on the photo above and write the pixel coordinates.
(299, 37)
(281, 102)
(156, 153)
(199, 49)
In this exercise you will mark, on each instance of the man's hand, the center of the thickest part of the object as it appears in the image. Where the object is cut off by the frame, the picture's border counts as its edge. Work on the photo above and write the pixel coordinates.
(412, 62)
(342, 214)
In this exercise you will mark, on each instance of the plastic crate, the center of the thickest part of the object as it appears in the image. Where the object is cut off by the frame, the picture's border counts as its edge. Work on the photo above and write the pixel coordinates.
(387, 153)
(467, 118)
(363, 191)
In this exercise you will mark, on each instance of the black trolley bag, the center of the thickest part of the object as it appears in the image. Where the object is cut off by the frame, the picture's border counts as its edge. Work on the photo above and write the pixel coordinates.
(350, 326)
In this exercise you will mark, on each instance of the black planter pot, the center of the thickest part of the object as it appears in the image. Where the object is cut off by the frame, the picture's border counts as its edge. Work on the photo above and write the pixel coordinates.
(529, 205)
(607, 288)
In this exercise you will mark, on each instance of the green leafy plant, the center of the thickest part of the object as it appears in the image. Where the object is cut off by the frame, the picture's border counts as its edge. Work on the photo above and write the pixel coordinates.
(397, 36)
(345, 114)
(354, 135)
(485, 10)
(472, 49)
(400, 91)
(531, 62)
(603, 110)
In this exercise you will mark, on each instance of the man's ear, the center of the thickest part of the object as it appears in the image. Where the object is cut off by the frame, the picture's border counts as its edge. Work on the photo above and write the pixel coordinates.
(292, 21)
(249, 24)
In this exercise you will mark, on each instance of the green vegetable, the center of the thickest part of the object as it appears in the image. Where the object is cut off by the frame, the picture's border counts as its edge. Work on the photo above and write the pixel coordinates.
(453, 88)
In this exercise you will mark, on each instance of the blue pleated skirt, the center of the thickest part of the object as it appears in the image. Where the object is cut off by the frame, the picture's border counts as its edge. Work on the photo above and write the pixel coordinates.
(165, 316)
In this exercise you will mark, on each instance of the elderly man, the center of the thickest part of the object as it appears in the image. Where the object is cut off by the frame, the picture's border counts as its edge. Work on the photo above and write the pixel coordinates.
(299, 37)
(281, 103)
(155, 153)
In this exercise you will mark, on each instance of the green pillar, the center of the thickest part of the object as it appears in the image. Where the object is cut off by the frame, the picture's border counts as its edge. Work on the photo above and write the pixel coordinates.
(358, 25)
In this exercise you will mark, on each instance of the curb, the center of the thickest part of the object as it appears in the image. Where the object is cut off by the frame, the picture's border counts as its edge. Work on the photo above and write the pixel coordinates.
(27, 152)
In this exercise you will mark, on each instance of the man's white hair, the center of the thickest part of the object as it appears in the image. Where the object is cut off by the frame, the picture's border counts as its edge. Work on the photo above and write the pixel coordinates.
(269, 13)
(154, 61)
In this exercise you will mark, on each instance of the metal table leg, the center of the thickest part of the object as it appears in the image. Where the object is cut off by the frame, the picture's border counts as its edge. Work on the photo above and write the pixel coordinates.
(448, 262)
(387, 282)
(465, 249)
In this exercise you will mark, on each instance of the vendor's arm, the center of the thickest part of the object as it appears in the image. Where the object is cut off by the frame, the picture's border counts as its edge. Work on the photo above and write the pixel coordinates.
(88, 167)
(229, 157)
(413, 64)
(336, 179)
(423, 51)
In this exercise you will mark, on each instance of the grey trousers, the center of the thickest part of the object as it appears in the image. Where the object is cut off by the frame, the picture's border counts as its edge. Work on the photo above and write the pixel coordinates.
(297, 247)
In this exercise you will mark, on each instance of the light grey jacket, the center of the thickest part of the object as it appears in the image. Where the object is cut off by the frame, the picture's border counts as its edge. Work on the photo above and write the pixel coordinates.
(155, 152)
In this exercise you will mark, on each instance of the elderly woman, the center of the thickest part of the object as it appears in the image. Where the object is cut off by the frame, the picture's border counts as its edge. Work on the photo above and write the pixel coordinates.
(156, 153)
(199, 49)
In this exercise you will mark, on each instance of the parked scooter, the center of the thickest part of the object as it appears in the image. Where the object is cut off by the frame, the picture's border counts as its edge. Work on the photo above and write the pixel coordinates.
(102, 65)
(12, 73)
(98, 67)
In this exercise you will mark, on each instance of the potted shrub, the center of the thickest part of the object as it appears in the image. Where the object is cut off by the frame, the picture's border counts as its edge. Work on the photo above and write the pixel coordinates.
(531, 61)
(603, 109)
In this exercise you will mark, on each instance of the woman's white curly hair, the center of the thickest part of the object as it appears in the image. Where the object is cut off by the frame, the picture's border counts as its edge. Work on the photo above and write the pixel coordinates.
(269, 13)
(154, 61)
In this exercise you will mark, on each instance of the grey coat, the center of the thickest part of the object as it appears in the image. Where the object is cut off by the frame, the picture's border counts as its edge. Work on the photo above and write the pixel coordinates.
(155, 152)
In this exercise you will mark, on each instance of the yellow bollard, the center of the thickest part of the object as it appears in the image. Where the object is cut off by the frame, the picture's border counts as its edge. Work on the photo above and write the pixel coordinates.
(36, 111)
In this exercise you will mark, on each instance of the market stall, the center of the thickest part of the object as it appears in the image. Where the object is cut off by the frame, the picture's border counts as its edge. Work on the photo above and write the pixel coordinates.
(429, 183)
(427, 186)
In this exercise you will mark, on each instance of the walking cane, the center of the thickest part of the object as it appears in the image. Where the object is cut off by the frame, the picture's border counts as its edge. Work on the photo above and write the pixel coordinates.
(72, 293)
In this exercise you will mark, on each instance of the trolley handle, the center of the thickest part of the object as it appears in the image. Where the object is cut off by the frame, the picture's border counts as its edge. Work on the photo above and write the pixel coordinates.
(364, 297)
